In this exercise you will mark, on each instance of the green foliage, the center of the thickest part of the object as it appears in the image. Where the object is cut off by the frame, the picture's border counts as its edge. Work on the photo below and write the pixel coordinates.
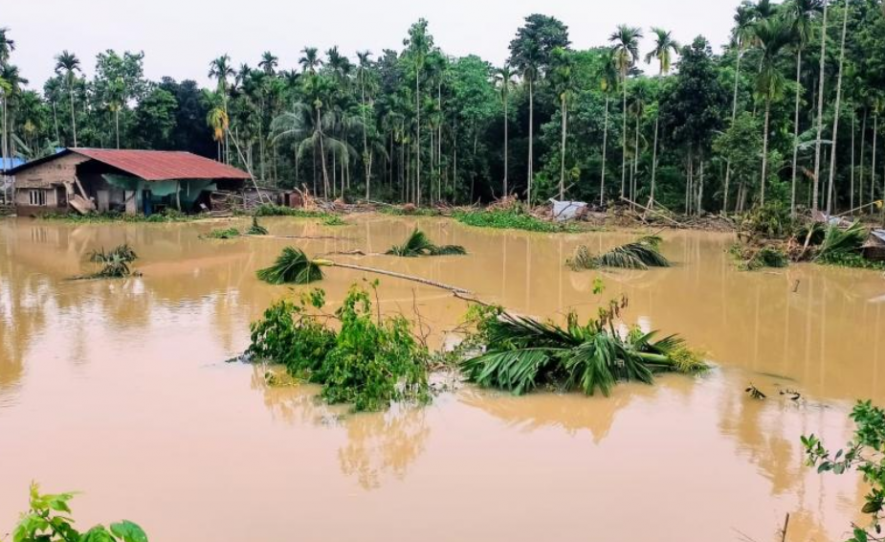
(226, 233)
(334, 220)
(256, 228)
(168, 215)
(641, 254)
(418, 244)
(841, 245)
(369, 363)
(115, 264)
(753, 258)
(523, 354)
(48, 520)
(292, 267)
(512, 219)
(865, 454)
(769, 221)
(268, 209)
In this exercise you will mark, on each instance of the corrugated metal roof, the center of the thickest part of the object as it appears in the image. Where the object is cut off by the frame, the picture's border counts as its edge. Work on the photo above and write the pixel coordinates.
(10, 163)
(163, 165)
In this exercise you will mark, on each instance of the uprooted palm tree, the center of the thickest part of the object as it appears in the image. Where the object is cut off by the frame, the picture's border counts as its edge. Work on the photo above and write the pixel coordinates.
(418, 244)
(294, 267)
(640, 254)
(524, 354)
(839, 244)
(115, 264)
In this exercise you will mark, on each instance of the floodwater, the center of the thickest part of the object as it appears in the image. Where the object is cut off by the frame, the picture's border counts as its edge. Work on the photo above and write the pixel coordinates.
(119, 389)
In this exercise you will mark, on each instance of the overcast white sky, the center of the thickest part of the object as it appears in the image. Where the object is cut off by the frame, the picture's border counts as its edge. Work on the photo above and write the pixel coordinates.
(180, 37)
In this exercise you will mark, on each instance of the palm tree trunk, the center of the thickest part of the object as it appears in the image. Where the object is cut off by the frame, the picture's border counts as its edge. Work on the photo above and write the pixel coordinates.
(853, 156)
(831, 191)
(765, 151)
(815, 198)
(654, 164)
(55, 122)
(700, 204)
(863, 149)
(562, 151)
(418, 139)
(873, 168)
(506, 145)
(323, 157)
(604, 149)
(367, 161)
(73, 117)
(734, 103)
(634, 172)
(796, 134)
(117, 125)
(531, 141)
(624, 137)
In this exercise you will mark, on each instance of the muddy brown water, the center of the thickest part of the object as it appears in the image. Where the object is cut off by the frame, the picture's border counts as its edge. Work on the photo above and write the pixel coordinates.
(119, 389)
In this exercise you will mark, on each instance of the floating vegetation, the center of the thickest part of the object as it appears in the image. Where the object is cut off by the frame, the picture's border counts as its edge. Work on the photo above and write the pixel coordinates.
(524, 354)
(514, 219)
(294, 267)
(268, 209)
(752, 258)
(334, 220)
(418, 244)
(369, 363)
(256, 228)
(115, 264)
(227, 233)
(642, 254)
(167, 216)
(48, 519)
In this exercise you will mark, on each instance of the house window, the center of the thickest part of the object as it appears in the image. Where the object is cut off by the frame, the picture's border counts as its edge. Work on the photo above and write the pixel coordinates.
(37, 198)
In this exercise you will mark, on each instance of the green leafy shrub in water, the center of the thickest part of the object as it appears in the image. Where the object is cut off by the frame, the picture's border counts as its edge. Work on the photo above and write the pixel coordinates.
(769, 221)
(256, 228)
(641, 254)
(227, 233)
(48, 520)
(168, 215)
(514, 219)
(334, 220)
(369, 363)
(865, 454)
(523, 354)
(268, 209)
(115, 263)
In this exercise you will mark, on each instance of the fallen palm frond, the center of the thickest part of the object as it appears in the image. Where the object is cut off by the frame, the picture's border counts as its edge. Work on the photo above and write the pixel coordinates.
(418, 244)
(115, 264)
(294, 267)
(838, 242)
(641, 254)
(524, 354)
(256, 229)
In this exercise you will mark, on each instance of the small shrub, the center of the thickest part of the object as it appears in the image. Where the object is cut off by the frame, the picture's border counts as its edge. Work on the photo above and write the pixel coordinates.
(269, 209)
(48, 520)
(228, 233)
(769, 221)
(256, 228)
(369, 363)
(115, 264)
(334, 220)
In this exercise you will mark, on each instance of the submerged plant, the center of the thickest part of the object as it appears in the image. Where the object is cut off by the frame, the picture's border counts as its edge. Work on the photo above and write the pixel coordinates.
(334, 220)
(524, 354)
(48, 520)
(224, 234)
(368, 363)
(641, 254)
(115, 264)
(256, 228)
(418, 244)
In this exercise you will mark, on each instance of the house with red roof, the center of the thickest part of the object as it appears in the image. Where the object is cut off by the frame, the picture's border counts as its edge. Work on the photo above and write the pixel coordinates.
(125, 181)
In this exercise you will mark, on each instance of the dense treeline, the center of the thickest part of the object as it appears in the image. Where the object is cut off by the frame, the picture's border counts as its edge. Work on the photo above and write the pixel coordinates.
(780, 115)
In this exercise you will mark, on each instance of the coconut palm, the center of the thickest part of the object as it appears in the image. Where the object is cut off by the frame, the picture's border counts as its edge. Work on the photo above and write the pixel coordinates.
(625, 46)
(527, 59)
(418, 45)
(803, 14)
(67, 64)
(742, 35)
(504, 81)
(665, 47)
(363, 71)
(116, 96)
(773, 36)
(7, 45)
(563, 83)
(269, 63)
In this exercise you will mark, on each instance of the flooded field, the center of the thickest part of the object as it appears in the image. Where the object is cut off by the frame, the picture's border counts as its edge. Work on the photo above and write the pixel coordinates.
(119, 389)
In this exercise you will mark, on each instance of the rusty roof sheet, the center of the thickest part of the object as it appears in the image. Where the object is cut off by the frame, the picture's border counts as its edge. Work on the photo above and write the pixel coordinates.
(163, 165)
